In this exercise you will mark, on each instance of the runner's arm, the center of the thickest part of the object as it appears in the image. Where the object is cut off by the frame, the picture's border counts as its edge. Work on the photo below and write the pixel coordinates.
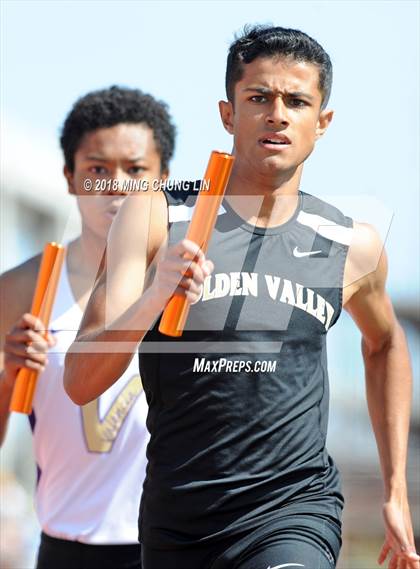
(18, 329)
(388, 389)
(122, 306)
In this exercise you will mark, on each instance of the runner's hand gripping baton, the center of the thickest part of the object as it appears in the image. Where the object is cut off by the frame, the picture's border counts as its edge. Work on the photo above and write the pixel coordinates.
(200, 229)
(42, 303)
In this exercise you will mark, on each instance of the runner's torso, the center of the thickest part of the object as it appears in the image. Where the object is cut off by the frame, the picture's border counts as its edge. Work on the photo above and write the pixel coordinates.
(238, 406)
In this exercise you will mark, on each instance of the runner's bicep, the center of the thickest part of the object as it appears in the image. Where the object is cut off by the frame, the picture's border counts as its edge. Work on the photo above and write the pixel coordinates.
(126, 255)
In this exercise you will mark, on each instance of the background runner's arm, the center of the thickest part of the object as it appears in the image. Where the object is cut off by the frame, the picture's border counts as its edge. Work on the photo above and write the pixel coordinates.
(18, 328)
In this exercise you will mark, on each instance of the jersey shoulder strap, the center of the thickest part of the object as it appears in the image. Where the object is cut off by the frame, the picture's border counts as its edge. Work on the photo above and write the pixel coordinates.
(325, 219)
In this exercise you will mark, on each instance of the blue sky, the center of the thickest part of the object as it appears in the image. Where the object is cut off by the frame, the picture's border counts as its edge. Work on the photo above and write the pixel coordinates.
(53, 52)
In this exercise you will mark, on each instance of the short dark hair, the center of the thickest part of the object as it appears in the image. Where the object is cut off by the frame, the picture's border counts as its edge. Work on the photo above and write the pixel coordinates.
(109, 107)
(268, 41)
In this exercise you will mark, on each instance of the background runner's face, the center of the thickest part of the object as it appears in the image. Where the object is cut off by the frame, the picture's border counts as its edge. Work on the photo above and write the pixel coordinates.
(276, 96)
(121, 152)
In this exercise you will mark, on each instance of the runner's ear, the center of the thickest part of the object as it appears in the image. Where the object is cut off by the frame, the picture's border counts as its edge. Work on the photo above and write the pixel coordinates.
(226, 114)
(324, 121)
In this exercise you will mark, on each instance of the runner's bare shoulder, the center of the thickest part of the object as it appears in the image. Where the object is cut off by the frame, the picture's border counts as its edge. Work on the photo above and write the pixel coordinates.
(140, 227)
(365, 255)
(137, 233)
(16, 290)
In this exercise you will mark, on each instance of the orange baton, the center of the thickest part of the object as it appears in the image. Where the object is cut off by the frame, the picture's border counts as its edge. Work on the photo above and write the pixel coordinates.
(200, 230)
(42, 303)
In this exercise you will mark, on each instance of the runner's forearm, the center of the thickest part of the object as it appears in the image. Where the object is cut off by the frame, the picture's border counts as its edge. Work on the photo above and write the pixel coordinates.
(99, 357)
(388, 386)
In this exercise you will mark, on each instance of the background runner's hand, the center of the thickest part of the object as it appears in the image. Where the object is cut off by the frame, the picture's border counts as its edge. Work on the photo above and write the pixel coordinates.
(25, 347)
(181, 269)
(399, 539)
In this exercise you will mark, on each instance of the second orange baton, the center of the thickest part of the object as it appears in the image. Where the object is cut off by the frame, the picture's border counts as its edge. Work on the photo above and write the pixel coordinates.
(200, 229)
(48, 277)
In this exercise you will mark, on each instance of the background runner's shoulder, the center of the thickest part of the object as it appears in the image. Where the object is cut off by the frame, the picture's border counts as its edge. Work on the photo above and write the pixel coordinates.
(16, 289)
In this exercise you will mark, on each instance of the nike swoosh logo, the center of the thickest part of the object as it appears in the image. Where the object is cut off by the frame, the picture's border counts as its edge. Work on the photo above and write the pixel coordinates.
(286, 565)
(298, 253)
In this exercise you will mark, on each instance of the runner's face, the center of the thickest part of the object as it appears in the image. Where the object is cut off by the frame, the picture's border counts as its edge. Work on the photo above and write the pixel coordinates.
(119, 153)
(276, 116)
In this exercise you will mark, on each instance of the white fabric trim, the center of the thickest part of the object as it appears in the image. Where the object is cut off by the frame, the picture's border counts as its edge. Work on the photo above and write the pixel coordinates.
(326, 227)
(184, 213)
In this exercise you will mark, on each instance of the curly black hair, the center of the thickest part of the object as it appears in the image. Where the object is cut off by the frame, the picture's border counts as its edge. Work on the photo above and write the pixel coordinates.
(269, 41)
(109, 107)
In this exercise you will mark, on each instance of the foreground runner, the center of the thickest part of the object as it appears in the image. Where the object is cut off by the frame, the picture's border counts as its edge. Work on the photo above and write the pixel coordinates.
(92, 460)
(238, 473)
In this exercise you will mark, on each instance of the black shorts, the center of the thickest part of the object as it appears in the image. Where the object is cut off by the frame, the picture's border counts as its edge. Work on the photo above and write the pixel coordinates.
(312, 541)
(63, 554)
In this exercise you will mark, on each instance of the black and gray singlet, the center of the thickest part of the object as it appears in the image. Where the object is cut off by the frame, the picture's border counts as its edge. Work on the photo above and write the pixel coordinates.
(238, 406)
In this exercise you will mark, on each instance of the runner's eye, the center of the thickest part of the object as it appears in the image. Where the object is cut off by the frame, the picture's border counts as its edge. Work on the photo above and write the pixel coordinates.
(258, 99)
(136, 170)
(297, 103)
(98, 170)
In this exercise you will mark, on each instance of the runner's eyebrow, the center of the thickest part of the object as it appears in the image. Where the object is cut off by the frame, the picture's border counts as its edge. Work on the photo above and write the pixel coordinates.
(298, 94)
(135, 159)
(98, 158)
(267, 91)
(262, 90)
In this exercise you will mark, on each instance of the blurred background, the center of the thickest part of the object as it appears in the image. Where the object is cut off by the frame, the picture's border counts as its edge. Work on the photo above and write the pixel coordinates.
(367, 164)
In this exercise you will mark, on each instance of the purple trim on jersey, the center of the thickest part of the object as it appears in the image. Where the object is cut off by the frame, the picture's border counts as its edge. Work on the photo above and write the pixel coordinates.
(32, 422)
